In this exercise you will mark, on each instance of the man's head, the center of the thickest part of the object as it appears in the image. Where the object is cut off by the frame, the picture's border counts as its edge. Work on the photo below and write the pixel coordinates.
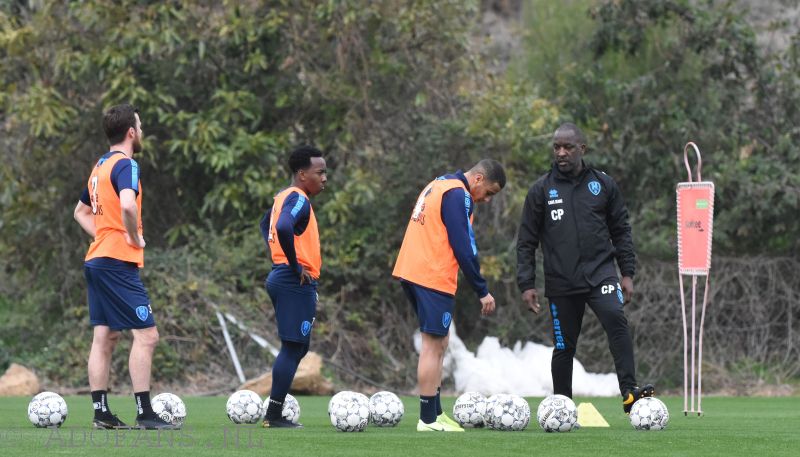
(122, 124)
(486, 179)
(569, 146)
(308, 168)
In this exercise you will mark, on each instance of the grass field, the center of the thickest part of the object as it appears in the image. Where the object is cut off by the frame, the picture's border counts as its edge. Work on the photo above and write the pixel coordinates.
(730, 427)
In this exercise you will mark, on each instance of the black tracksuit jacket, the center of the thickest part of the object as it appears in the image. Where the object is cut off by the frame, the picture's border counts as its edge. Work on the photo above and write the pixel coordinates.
(582, 225)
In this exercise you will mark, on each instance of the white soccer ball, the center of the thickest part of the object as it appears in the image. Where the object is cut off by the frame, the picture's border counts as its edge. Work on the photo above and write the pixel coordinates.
(244, 407)
(557, 413)
(469, 409)
(349, 411)
(507, 412)
(47, 409)
(649, 413)
(385, 409)
(170, 408)
(291, 409)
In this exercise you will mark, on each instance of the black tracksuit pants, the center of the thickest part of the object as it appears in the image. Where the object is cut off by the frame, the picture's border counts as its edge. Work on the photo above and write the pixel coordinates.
(567, 312)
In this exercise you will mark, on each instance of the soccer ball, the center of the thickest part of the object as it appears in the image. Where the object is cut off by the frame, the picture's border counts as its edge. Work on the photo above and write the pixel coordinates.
(557, 413)
(47, 409)
(469, 409)
(349, 411)
(170, 408)
(385, 409)
(507, 412)
(649, 413)
(291, 409)
(244, 407)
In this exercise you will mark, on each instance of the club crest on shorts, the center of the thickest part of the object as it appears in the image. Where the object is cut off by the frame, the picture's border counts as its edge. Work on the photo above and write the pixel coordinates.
(446, 319)
(594, 187)
(142, 312)
(619, 295)
(305, 328)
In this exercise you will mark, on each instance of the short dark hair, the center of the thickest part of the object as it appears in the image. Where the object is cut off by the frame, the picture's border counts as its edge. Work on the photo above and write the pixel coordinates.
(117, 120)
(569, 126)
(492, 170)
(300, 158)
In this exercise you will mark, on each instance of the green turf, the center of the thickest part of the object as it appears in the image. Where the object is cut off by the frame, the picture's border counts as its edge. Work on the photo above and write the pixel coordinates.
(730, 427)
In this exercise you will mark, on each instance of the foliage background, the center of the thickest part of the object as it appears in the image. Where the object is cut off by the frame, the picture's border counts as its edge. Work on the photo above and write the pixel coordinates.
(396, 92)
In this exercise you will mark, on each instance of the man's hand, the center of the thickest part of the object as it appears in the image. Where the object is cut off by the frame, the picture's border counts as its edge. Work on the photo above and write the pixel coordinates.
(531, 298)
(487, 305)
(627, 289)
(137, 243)
(305, 276)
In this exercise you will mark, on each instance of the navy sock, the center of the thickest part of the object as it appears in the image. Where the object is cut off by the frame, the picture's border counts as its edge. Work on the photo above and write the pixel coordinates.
(275, 409)
(283, 371)
(100, 404)
(143, 406)
(427, 409)
(438, 401)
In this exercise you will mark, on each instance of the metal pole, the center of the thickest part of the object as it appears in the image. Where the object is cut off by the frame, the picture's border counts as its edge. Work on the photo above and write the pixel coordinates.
(700, 350)
(694, 319)
(231, 349)
(685, 350)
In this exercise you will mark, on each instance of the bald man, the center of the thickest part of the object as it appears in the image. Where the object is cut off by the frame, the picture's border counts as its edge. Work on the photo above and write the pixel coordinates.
(578, 216)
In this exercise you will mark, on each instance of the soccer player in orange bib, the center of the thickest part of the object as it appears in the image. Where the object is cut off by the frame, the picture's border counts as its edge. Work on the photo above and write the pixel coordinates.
(110, 210)
(439, 239)
(290, 231)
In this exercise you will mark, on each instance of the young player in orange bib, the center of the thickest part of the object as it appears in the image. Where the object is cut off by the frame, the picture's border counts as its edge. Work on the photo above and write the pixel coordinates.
(290, 232)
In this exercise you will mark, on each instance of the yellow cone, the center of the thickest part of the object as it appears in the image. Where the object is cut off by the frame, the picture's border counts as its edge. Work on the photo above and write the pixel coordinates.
(589, 416)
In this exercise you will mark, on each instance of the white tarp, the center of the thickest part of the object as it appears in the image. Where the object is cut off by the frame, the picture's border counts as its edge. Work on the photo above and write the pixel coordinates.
(521, 370)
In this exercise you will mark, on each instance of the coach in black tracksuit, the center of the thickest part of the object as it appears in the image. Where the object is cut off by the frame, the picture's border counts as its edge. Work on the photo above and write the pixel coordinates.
(578, 215)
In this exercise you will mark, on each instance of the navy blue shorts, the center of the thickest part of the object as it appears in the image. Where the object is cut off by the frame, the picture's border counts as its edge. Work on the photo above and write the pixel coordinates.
(117, 297)
(295, 305)
(434, 309)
